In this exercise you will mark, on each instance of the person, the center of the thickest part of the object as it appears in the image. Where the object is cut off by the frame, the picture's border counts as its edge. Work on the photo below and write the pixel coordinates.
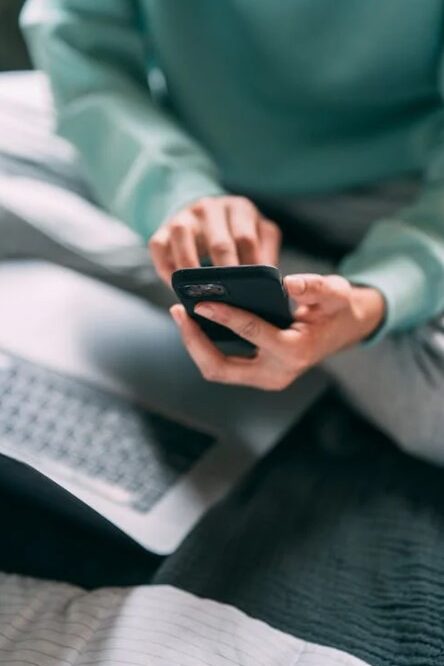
(195, 119)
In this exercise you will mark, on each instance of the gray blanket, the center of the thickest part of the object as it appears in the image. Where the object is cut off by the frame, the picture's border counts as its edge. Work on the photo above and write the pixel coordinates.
(338, 539)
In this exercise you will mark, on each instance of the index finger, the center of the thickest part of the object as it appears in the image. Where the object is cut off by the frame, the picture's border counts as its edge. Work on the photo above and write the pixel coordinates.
(159, 247)
(218, 238)
(271, 239)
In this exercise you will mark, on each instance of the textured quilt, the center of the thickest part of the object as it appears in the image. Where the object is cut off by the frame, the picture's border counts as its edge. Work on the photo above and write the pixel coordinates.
(336, 538)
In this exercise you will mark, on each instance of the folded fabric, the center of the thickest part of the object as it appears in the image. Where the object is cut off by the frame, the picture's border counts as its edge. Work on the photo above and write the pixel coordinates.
(52, 624)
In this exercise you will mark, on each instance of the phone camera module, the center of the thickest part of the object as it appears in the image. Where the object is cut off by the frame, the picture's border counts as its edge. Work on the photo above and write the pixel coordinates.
(200, 290)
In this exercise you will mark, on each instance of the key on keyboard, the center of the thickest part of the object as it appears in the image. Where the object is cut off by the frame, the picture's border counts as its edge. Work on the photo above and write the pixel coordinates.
(101, 435)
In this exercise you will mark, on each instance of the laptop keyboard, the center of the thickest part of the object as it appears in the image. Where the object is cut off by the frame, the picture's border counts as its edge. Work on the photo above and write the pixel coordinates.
(98, 435)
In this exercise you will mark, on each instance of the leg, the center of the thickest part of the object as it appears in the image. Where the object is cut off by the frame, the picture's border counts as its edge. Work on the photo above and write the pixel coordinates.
(399, 385)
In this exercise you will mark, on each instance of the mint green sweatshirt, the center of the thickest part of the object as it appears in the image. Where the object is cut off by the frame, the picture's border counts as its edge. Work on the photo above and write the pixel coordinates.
(171, 100)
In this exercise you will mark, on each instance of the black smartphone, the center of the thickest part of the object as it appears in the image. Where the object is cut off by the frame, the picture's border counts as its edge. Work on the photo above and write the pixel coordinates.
(258, 289)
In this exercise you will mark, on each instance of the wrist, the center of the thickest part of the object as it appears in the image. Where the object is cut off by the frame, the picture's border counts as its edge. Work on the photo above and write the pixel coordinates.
(369, 309)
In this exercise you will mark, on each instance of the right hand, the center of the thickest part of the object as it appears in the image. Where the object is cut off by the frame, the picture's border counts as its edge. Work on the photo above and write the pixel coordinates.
(228, 229)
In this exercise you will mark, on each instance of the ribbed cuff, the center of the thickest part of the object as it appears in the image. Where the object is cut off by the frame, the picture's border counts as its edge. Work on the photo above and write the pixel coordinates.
(402, 282)
(189, 187)
(155, 202)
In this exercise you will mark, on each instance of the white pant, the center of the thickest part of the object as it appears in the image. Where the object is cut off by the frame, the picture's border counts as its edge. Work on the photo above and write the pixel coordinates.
(397, 384)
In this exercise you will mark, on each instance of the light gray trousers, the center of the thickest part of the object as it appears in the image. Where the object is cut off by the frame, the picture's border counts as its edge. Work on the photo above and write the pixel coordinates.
(47, 211)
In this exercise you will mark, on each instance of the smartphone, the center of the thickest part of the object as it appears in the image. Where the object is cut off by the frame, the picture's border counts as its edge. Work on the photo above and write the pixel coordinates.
(258, 289)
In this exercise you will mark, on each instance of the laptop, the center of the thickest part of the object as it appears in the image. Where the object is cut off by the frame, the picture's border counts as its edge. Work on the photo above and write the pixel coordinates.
(98, 394)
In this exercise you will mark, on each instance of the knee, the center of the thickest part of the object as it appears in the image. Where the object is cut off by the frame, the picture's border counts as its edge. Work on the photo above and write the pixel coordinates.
(420, 429)
(421, 443)
(399, 386)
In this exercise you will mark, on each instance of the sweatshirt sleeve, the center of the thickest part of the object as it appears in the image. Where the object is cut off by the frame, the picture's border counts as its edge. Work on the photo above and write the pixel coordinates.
(403, 257)
(140, 163)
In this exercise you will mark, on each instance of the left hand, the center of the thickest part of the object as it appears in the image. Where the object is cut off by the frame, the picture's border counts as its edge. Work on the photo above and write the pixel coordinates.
(331, 315)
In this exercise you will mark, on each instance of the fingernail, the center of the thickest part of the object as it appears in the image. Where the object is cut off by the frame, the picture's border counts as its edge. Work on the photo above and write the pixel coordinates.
(204, 310)
(177, 315)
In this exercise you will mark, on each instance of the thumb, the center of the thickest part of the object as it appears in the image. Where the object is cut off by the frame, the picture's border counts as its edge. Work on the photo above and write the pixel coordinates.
(313, 289)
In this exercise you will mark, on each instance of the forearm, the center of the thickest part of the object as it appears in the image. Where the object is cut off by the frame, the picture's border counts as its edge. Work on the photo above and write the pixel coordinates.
(404, 259)
(141, 164)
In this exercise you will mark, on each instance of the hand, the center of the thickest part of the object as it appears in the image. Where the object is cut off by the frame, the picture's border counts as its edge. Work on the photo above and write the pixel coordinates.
(331, 314)
(230, 230)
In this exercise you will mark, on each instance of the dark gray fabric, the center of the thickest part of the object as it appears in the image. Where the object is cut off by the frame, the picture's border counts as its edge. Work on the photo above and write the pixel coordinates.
(49, 534)
(13, 52)
(337, 538)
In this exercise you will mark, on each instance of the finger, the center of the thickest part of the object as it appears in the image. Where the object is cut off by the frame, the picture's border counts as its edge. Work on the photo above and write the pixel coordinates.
(213, 365)
(243, 219)
(312, 289)
(201, 349)
(309, 314)
(270, 237)
(247, 325)
(216, 232)
(161, 254)
(302, 311)
(183, 231)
